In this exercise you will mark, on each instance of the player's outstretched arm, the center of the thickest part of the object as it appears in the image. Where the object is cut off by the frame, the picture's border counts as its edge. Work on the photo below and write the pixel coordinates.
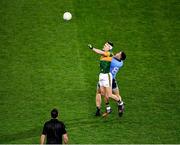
(96, 50)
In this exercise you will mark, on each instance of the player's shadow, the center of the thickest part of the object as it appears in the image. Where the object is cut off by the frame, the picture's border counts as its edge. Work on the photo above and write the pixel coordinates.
(91, 122)
(70, 124)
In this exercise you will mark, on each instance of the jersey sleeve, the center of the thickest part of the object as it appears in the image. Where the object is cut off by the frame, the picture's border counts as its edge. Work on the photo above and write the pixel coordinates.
(44, 129)
(63, 129)
(107, 54)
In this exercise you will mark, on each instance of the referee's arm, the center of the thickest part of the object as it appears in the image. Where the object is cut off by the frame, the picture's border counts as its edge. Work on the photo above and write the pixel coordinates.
(64, 134)
(43, 135)
(42, 140)
(65, 138)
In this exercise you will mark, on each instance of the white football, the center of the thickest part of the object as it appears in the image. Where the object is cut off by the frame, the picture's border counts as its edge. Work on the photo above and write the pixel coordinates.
(67, 16)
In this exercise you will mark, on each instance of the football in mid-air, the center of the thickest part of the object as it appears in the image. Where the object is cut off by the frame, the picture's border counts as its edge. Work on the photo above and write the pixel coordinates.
(67, 16)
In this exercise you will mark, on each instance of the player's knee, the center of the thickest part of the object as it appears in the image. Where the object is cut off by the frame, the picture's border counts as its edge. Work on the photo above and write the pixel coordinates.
(102, 93)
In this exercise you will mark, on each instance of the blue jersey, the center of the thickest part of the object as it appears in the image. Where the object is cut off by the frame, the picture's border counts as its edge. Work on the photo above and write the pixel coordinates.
(115, 66)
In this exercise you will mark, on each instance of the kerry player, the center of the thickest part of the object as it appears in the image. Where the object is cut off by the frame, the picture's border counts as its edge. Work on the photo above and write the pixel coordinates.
(116, 64)
(105, 77)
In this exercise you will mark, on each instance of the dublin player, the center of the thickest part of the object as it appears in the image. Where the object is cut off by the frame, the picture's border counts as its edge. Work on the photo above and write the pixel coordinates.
(116, 64)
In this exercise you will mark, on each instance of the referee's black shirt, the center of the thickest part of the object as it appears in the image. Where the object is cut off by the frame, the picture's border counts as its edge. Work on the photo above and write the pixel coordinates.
(54, 129)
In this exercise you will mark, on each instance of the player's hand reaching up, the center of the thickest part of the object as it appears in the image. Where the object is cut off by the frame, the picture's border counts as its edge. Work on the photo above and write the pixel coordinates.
(90, 46)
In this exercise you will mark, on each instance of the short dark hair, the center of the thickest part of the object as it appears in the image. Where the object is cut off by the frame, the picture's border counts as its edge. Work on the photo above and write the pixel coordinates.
(123, 56)
(54, 113)
(110, 43)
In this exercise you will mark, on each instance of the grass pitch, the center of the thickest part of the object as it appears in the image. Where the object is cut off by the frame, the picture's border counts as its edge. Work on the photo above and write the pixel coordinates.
(45, 63)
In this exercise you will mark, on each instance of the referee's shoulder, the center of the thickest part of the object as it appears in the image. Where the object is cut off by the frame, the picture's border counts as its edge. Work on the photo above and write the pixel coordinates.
(47, 122)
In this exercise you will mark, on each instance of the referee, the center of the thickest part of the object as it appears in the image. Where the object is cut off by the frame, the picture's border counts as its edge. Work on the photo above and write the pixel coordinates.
(54, 130)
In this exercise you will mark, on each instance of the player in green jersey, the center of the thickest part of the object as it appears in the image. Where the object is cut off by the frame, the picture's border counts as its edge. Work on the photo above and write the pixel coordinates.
(105, 77)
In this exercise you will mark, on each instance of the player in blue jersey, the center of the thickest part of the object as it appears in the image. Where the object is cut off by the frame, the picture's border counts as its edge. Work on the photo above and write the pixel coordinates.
(116, 64)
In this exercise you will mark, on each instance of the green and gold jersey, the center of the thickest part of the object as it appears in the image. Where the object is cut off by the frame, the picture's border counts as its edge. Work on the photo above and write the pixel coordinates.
(105, 62)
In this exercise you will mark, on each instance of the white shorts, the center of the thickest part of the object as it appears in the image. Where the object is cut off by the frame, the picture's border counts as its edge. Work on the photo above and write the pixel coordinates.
(105, 80)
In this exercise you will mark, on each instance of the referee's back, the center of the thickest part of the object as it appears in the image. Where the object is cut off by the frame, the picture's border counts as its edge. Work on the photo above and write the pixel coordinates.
(54, 130)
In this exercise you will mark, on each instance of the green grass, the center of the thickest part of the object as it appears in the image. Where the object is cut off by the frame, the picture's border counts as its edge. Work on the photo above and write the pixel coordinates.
(45, 63)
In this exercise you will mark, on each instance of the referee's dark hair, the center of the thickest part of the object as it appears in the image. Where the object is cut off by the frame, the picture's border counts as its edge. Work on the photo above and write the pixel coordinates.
(54, 113)
(123, 56)
(110, 43)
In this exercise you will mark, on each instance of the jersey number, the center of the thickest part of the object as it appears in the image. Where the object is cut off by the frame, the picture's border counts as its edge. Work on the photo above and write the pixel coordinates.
(115, 70)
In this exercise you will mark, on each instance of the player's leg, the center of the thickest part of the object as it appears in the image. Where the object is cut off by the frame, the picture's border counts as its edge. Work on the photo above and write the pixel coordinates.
(120, 102)
(106, 100)
(115, 92)
(104, 83)
(108, 92)
(115, 97)
(98, 101)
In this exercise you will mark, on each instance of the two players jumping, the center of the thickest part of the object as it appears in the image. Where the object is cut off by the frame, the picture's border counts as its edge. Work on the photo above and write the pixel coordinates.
(107, 85)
